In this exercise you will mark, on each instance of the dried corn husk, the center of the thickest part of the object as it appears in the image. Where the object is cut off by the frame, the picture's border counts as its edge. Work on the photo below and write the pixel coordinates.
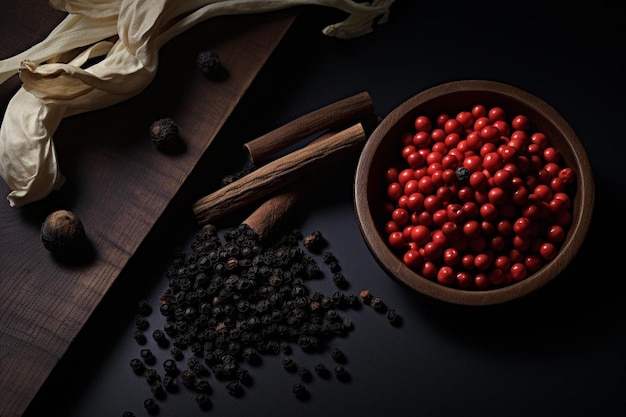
(127, 35)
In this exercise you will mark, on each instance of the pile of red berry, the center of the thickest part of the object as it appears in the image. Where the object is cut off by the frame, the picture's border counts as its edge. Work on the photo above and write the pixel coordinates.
(477, 201)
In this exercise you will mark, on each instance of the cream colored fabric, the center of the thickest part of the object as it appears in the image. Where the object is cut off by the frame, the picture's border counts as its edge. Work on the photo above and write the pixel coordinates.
(127, 35)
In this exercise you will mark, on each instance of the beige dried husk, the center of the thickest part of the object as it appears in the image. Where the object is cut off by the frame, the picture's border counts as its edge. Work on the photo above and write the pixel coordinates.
(127, 36)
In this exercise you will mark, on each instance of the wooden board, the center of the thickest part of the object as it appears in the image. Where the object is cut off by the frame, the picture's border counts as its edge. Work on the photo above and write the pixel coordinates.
(118, 183)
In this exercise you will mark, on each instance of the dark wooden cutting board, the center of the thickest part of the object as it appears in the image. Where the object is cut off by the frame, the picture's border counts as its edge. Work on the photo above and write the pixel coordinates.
(118, 183)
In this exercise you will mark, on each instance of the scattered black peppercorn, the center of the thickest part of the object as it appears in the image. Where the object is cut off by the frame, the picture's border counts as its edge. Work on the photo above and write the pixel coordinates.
(329, 258)
(203, 401)
(188, 377)
(209, 63)
(137, 366)
(462, 174)
(151, 406)
(140, 337)
(141, 323)
(144, 308)
(393, 316)
(340, 280)
(288, 363)
(338, 355)
(169, 383)
(321, 370)
(352, 300)
(234, 388)
(377, 303)
(176, 353)
(334, 267)
(159, 337)
(201, 384)
(62, 232)
(299, 390)
(158, 390)
(164, 133)
(148, 356)
(305, 374)
(151, 375)
(170, 367)
(341, 373)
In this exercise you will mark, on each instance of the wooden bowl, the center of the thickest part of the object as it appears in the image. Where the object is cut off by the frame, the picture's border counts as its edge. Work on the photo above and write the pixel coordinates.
(384, 146)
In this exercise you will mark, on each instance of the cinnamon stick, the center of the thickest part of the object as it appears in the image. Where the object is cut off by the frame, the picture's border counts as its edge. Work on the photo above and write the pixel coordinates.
(277, 174)
(267, 219)
(331, 116)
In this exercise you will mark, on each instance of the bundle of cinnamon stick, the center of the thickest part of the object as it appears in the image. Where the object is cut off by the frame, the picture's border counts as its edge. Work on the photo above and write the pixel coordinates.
(286, 180)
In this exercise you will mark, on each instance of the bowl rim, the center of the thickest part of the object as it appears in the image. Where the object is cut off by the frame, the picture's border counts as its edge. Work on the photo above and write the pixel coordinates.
(392, 264)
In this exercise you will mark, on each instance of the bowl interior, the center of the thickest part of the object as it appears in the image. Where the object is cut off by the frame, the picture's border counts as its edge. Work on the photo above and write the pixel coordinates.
(383, 147)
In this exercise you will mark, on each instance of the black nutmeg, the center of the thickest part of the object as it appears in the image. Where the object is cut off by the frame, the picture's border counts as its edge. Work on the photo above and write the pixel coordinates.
(164, 133)
(208, 62)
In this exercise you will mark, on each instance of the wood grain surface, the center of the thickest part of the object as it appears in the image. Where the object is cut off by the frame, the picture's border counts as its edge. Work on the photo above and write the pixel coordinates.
(118, 183)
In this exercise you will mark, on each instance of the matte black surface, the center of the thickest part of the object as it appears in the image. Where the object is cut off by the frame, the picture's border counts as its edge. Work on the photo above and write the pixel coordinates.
(558, 352)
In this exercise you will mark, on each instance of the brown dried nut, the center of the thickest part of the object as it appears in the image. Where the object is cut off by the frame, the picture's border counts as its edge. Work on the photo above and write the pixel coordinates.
(164, 133)
(62, 232)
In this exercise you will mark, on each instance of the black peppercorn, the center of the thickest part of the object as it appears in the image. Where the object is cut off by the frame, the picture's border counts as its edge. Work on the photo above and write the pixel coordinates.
(188, 377)
(170, 367)
(341, 372)
(159, 337)
(234, 388)
(340, 280)
(462, 174)
(209, 63)
(141, 323)
(334, 267)
(148, 356)
(352, 300)
(170, 328)
(299, 390)
(169, 383)
(377, 303)
(128, 414)
(144, 307)
(321, 370)
(158, 390)
(140, 337)
(151, 375)
(201, 384)
(166, 309)
(203, 401)
(338, 355)
(164, 133)
(288, 363)
(176, 353)
(304, 374)
(151, 406)
(393, 316)
(137, 366)
(329, 257)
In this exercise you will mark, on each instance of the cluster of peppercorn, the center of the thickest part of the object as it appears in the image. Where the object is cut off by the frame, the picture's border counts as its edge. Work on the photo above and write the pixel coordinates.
(230, 300)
